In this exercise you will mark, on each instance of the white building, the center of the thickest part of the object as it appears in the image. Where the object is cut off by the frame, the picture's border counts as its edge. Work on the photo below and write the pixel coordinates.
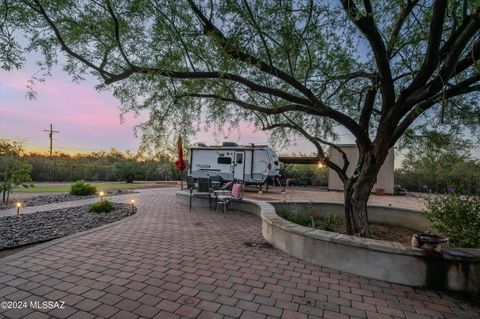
(385, 178)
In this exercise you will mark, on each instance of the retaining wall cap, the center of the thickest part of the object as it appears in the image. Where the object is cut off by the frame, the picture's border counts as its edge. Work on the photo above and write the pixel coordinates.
(415, 210)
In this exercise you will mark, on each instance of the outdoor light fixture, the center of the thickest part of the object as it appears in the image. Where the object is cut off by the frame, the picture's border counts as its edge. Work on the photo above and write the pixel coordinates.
(321, 165)
(132, 201)
(101, 195)
(18, 208)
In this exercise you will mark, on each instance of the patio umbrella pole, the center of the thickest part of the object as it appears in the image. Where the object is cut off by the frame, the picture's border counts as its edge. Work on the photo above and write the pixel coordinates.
(181, 180)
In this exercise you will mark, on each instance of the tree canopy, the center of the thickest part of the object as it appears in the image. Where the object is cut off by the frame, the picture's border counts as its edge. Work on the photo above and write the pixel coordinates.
(376, 68)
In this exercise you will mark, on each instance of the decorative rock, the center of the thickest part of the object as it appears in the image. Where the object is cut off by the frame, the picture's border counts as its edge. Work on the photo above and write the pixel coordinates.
(46, 225)
(58, 198)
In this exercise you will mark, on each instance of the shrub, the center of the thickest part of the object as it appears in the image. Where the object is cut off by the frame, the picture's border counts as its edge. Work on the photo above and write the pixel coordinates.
(82, 189)
(300, 219)
(456, 216)
(103, 206)
(330, 222)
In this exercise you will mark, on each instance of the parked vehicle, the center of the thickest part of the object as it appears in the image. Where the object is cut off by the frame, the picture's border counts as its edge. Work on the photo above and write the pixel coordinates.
(252, 164)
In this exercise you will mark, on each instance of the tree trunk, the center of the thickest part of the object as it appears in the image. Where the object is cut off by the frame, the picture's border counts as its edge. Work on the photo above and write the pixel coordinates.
(356, 215)
(357, 192)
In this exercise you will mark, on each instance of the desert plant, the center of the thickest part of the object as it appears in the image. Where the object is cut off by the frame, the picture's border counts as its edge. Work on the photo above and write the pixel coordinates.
(330, 222)
(14, 171)
(103, 206)
(297, 218)
(457, 217)
(81, 188)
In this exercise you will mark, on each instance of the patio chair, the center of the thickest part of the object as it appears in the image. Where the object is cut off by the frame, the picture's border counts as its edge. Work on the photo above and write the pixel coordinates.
(202, 190)
(216, 182)
(190, 182)
(226, 197)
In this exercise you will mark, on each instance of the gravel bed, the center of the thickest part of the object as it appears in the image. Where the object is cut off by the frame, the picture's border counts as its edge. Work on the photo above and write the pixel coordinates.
(27, 229)
(59, 198)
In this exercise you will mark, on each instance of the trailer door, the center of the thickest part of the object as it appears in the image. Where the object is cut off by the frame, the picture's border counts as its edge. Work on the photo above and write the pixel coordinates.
(239, 165)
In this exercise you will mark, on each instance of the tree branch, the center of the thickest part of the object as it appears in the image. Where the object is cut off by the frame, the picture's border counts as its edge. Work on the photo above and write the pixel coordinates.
(366, 24)
(117, 35)
(367, 109)
(103, 73)
(235, 53)
(255, 25)
(212, 31)
(470, 59)
(463, 87)
(447, 70)
(431, 56)
(211, 75)
(398, 26)
(253, 107)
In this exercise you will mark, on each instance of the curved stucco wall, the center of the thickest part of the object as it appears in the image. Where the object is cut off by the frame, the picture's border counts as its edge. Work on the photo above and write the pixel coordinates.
(383, 260)
(376, 214)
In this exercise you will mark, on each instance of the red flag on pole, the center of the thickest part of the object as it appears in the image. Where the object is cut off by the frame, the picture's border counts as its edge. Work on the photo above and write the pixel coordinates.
(180, 163)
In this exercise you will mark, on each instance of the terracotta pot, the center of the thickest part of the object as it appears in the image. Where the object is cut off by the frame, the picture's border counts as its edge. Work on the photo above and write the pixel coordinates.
(429, 242)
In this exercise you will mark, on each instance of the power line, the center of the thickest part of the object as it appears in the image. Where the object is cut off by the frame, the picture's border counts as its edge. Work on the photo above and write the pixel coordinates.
(50, 135)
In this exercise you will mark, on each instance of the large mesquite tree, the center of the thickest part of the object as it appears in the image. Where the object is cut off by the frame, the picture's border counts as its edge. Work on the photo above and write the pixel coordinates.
(378, 69)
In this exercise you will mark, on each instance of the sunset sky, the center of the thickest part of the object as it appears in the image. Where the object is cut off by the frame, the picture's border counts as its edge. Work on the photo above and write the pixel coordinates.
(87, 120)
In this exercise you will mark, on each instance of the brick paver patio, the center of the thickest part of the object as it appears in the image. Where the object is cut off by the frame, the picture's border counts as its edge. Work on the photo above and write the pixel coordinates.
(167, 262)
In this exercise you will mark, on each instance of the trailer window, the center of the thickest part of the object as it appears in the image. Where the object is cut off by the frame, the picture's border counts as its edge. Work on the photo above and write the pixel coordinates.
(224, 160)
(239, 159)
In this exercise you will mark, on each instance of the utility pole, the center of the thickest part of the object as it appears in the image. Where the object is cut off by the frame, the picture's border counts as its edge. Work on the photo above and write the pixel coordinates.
(50, 135)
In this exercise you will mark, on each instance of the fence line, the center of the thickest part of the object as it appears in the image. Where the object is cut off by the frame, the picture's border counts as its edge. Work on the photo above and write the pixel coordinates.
(432, 183)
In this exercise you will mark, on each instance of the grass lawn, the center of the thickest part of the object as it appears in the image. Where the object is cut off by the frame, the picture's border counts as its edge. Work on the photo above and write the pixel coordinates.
(66, 187)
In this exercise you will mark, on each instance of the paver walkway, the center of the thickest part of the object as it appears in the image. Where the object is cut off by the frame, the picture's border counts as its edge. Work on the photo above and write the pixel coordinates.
(167, 262)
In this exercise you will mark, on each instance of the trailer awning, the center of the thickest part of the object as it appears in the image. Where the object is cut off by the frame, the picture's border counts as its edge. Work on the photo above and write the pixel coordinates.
(299, 160)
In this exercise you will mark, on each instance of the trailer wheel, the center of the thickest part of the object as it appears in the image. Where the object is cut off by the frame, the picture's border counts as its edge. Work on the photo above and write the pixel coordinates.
(259, 188)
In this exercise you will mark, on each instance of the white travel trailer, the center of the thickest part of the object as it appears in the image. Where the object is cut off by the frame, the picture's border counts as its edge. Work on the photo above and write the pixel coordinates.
(252, 163)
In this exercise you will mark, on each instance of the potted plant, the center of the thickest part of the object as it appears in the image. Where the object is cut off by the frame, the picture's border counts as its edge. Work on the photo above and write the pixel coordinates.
(380, 191)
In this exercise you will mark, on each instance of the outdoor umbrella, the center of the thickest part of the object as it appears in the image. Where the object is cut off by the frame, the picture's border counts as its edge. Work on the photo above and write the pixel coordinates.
(180, 163)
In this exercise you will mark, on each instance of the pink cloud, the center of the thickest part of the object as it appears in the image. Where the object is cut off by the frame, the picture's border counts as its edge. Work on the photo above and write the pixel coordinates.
(85, 117)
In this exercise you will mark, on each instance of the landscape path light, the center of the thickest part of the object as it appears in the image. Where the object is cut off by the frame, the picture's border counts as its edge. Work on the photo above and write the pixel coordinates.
(18, 207)
(132, 202)
(102, 194)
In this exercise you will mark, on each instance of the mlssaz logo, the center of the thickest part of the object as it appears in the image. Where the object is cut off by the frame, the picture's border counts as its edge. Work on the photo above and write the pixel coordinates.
(47, 305)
